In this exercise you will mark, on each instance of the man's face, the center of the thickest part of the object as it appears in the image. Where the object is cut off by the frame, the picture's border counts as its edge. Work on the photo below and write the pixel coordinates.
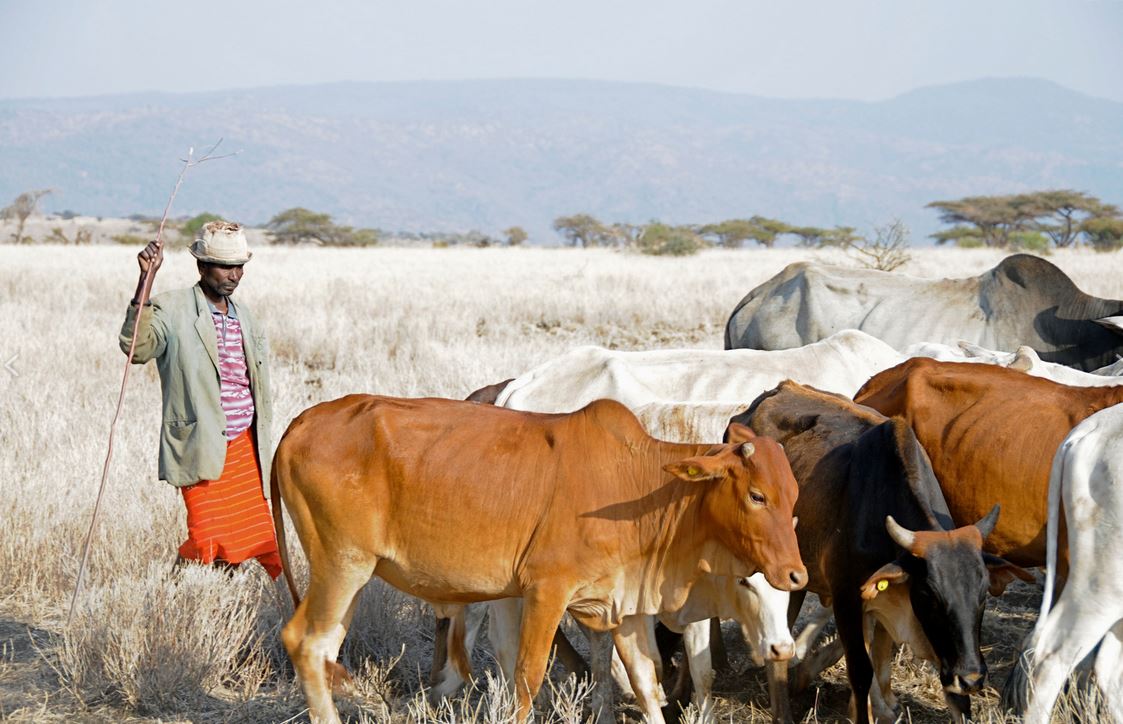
(220, 279)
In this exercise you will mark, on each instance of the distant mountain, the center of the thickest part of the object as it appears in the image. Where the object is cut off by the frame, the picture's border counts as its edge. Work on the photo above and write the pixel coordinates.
(490, 154)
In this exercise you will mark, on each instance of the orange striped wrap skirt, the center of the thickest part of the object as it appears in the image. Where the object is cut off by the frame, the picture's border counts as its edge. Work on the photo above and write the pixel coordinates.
(228, 519)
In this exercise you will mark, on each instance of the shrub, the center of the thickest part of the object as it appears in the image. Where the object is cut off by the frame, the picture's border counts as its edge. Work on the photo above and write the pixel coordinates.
(192, 226)
(662, 240)
(516, 235)
(162, 643)
(130, 239)
(82, 236)
(1031, 241)
(1104, 234)
(888, 250)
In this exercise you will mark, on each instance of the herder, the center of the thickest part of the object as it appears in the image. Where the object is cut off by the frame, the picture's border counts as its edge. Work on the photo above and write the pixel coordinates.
(214, 376)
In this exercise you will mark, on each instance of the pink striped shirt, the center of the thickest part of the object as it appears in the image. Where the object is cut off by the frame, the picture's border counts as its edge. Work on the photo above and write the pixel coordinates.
(237, 400)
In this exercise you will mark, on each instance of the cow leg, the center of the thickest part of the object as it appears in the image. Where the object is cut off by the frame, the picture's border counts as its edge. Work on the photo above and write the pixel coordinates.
(779, 693)
(542, 612)
(460, 642)
(697, 640)
(1109, 670)
(1071, 631)
(719, 656)
(503, 631)
(602, 700)
(573, 662)
(881, 649)
(635, 641)
(848, 615)
(503, 617)
(316, 631)
(810, 666)
(440, 648)
(620, 675)
(668, 640)
(620, 671)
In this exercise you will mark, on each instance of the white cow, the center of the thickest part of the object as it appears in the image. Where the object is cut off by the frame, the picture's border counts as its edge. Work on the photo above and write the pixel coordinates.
(1024, 359)
(698, 381)
(1087, 478)
(688, 396)
(760, 609)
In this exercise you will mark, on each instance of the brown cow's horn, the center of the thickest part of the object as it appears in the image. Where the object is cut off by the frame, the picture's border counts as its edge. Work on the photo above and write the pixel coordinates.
(986, 525)
(903, 536)
(748, 449)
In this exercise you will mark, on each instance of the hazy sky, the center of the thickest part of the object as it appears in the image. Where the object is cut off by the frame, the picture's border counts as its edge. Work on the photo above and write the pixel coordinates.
(862, 49)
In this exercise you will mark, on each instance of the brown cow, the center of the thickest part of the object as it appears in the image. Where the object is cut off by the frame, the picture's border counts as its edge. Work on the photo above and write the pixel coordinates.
(991, 433)
(455, 502)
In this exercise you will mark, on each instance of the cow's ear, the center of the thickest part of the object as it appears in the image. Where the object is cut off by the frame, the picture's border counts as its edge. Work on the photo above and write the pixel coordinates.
(737, 433)
(1115, 324)
(888, 575)
(1002, 573)
(697, 469)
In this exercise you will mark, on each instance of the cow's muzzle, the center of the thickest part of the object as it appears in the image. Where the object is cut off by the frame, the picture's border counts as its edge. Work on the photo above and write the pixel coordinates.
(968, 682)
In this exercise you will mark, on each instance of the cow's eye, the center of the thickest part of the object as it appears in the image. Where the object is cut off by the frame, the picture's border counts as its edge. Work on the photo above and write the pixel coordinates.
(757, 497)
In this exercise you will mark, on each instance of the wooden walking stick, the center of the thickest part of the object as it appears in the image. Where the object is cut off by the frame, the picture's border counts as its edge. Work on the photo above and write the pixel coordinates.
(146, 289)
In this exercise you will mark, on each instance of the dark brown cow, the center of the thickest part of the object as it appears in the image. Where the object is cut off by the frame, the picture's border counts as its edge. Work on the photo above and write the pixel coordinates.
(879, 544)
(455, 502)
(488, 395)
(991, 433)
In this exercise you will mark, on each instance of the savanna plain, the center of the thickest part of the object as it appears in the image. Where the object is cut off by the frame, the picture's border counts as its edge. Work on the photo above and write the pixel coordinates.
(146, 645)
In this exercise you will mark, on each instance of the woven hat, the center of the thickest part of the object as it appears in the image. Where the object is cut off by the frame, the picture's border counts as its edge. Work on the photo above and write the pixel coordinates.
(221, 242)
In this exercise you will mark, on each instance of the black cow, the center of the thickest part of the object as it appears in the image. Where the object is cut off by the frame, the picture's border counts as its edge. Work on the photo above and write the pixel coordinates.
(1024, 300)
(879, 544)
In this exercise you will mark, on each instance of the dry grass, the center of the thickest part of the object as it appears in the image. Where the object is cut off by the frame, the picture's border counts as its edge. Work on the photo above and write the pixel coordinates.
(408, 322)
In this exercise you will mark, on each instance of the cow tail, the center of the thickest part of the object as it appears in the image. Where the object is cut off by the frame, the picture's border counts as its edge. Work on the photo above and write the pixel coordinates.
(279, 529)
(1052, 526)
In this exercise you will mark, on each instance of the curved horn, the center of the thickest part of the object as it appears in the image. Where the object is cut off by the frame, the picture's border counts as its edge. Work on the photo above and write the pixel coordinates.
(986, 525)
(747, 449)
(901, 535)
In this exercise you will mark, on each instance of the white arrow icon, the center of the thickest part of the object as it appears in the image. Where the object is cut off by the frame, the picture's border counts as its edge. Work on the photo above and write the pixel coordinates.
(10, 366)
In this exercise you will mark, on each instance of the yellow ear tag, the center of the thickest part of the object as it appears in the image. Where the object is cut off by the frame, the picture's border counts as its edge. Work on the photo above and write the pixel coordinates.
(692, 471)
(882, 584)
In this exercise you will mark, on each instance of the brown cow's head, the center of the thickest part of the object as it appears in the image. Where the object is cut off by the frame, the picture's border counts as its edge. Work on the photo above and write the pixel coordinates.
(749, 503)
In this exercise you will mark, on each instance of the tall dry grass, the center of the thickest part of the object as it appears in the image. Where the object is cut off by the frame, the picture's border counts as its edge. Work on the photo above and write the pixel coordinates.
(410, 322)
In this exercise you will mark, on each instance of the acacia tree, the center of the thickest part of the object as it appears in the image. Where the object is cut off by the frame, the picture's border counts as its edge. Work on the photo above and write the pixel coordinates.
(764, 230)
(995, 217)
(1020, 220)
(1070, 209)
(299, 225)
(583, 230)
(516, 235)
(731, 234)
(21, 209)
(625, 234)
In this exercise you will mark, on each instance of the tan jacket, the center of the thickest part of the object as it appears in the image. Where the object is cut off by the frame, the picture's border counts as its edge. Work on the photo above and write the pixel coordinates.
(178, 332)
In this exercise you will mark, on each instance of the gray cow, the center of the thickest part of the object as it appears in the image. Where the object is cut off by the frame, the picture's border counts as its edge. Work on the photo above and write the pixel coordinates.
(1024, 300)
